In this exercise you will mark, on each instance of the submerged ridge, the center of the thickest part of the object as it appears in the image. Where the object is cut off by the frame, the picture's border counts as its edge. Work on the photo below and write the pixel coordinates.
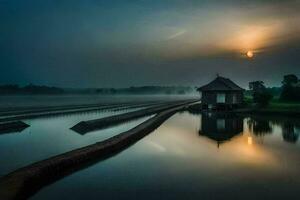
(91, 125)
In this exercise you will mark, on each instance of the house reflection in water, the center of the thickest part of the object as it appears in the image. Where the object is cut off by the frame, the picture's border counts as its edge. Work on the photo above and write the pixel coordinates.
(220, 127)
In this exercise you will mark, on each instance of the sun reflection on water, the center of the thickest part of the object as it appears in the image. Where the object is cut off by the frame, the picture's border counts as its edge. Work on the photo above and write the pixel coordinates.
(250, 141)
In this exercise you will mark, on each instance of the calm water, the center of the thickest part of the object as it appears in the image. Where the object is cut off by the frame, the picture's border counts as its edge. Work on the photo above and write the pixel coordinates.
(50, 136)
(195, 157)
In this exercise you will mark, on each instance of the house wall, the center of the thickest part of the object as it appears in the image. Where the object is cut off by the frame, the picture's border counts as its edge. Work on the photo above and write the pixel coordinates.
(210, 97)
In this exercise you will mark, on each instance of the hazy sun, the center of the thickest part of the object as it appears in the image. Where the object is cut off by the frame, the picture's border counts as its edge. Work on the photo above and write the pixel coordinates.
(249, 54)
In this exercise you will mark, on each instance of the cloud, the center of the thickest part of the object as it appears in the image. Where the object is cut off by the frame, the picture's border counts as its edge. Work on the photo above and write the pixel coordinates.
(230, 30)
(177, 34)
(105, 43)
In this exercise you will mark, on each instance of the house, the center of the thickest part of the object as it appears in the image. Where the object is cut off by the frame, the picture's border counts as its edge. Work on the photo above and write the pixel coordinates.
(221, 93)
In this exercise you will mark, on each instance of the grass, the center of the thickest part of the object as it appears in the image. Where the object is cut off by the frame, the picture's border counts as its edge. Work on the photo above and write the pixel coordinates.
(277, 105)
(288, 106)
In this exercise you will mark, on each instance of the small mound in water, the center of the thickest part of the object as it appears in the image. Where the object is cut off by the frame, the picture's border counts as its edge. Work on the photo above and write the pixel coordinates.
(81, 127)
(10, 127)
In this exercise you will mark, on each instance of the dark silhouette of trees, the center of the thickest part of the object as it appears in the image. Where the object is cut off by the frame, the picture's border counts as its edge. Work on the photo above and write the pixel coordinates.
(29, 89)
(9, 89)
(146, 90)
(290, 88)
(260, 94)
(257, 86)
(36, 89)
(290, 79)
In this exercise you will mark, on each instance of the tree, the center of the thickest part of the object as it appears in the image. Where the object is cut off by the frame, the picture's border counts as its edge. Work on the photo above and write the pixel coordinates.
(259, 93)
(290, 79)
(257, 86)
(290, 88)
(263, 99)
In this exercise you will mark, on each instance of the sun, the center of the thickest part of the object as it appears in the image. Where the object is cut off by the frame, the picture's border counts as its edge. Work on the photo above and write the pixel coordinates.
(249, 54)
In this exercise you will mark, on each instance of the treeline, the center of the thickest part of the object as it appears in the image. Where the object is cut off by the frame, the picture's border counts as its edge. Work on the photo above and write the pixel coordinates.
(29, 89)
(290, 88)
(40, 90)
(275, 91)
(146, 90)
(288, 92)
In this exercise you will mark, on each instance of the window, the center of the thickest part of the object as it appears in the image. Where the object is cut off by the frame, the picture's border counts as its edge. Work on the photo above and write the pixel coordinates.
(221, 98)
(234, 98)
(220, 124)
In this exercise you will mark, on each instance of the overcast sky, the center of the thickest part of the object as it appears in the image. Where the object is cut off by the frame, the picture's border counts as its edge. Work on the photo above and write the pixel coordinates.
(120, 43)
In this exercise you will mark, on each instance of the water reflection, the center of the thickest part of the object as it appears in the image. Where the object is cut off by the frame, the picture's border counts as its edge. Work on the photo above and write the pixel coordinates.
(290, 132)
(290, 128)
(259, 127)
(220, 127)
(49, 136)
(192, 167)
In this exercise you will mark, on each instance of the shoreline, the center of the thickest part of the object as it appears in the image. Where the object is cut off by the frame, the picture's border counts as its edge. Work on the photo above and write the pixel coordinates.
(252, 111)
(266, 111)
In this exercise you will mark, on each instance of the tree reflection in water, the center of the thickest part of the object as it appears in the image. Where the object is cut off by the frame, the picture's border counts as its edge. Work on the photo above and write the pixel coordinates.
(290, 132)
(259, 127)
(262, 127)
(221, 127)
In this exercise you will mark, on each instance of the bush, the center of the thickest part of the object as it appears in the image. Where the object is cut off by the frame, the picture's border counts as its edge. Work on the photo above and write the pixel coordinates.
(263, 99)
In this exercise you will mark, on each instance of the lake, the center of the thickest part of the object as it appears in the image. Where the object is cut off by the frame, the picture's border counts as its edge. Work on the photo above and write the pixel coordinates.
(50, 136)
(195, 156)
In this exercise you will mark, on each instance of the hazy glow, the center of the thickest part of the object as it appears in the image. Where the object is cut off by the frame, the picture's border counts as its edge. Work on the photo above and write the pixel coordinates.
(178, 137)
(232, 32)
(256, 38)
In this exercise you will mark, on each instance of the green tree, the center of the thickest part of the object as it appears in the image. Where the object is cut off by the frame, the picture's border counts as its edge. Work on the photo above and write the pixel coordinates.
(290, 88)
(261, 96)
(290, 79)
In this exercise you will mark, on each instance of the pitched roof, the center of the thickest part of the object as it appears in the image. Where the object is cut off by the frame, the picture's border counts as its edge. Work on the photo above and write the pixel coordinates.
(220, 83)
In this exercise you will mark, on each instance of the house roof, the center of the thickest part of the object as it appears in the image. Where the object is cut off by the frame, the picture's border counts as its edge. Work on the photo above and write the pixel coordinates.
(220, 84)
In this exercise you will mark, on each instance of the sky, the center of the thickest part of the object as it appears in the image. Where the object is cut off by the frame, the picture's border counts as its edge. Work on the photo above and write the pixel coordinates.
(121, 43)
